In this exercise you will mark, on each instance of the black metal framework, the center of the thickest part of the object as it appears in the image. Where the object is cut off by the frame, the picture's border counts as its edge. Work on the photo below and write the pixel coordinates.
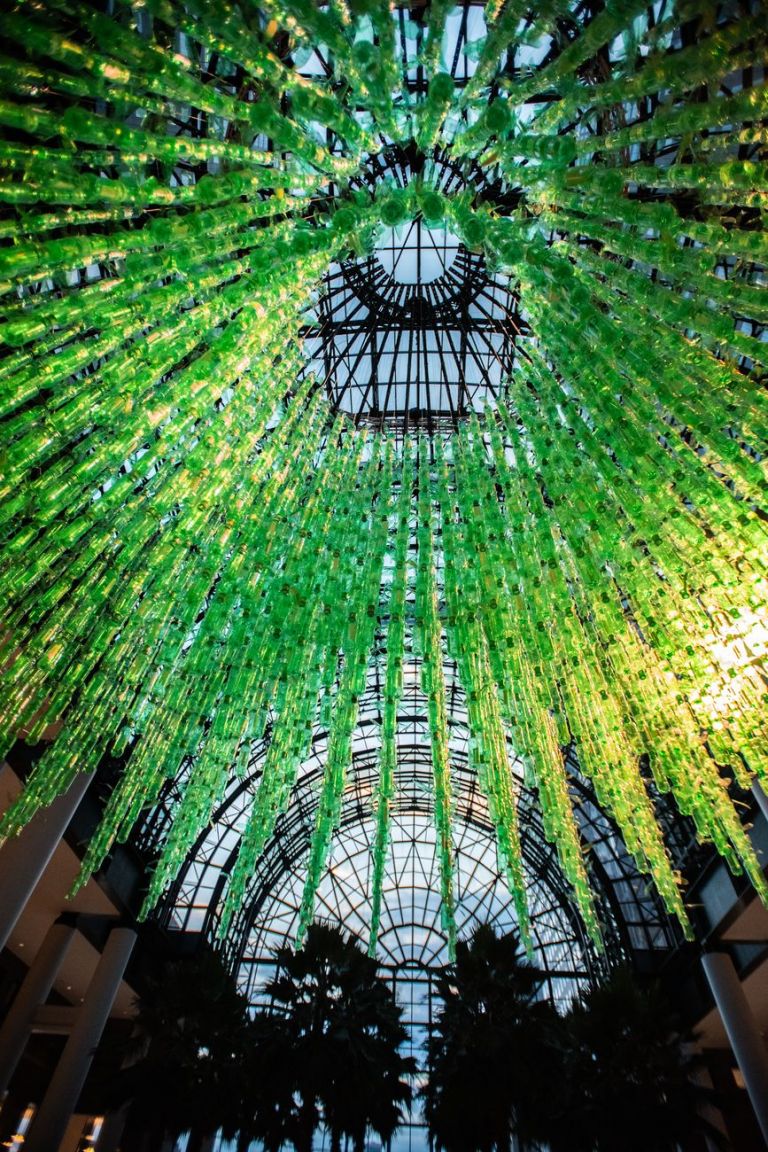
(420, 332)
(465, 27)
(411, 933)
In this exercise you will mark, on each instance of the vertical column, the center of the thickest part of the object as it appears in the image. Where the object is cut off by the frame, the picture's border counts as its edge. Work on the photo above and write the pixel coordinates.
(33, 992)
(746, 1042)
(24, 858)
(59, 1102)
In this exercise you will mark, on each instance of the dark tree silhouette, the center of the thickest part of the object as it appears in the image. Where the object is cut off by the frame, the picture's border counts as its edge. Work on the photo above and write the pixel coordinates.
(628, 1085)
(335, 1031)
(191, 1044)
(494, 1054)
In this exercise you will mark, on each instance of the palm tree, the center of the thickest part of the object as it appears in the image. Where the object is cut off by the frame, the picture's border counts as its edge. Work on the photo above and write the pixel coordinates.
(191, 1041)
(272, 1111)
(495, 1050)
(336, 1029)
(628, 1085)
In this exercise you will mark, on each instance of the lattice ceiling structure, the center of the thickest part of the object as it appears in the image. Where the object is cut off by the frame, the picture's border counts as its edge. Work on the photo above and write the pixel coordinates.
(354, 351)
(412, 942)
(419, 334)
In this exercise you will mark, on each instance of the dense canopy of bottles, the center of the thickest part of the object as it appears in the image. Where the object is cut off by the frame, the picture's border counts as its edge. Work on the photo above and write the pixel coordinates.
(195, 549)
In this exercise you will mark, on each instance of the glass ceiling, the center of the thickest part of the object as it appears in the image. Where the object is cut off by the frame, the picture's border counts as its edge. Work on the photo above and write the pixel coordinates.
(412, 936)
(418, 333)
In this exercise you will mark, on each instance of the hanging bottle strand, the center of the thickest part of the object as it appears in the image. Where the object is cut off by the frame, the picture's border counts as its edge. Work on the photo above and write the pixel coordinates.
(238, 589)
(674, 70)
(362, 609)
(39, 565)
(393, 690)
(685, 482)
(587, 700)
(145, 610)
(469, 644)
(429, 635)
(310, 598)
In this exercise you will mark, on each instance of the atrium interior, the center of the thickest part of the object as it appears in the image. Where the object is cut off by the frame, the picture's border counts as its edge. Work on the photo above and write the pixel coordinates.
(383, 520)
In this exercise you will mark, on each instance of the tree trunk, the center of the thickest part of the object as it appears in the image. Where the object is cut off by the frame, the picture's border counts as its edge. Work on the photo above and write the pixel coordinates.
(157, 1139)
(305, 1129)
(197, 1140)
(142, 1137)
